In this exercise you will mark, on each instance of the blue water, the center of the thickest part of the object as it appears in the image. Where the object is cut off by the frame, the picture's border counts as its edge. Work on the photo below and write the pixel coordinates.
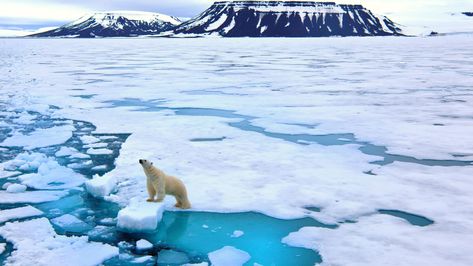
(411, 218)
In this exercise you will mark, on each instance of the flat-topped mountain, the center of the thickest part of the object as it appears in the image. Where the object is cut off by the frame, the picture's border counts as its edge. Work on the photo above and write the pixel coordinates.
(114, 24)
(287, 19)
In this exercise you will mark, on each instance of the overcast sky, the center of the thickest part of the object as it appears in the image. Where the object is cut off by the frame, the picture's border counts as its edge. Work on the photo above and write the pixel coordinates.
(36, 13)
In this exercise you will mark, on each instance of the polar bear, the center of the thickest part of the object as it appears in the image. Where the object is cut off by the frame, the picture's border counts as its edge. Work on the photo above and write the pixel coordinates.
(160, 184)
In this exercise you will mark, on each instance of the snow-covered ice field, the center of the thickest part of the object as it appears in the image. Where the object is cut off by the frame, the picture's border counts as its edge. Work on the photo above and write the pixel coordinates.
(341, 151)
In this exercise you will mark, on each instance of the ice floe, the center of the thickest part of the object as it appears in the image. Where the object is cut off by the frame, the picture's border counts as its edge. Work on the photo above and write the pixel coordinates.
(16, 188)
(228, 256)
(143, 244)
(19, 213)
(31, 196)
(101, 186)
(43, 246)
(40, 137)
(140, 216)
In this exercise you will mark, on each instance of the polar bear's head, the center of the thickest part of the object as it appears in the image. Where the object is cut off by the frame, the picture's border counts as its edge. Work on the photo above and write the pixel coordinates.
(145, 163)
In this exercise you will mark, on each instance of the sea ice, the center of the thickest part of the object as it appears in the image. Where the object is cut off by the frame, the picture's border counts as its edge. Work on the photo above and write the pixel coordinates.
(70, 223)
(31, 196)
(43, 246)
(16, 188)
(228, 256)
(51, 175)
(143, 244)
(140, 216)
(40, 138)
(89, 139)
(101, 186)
(92, 151)
(19, 213)
(237, 233)
(66, 151)
(5, 174)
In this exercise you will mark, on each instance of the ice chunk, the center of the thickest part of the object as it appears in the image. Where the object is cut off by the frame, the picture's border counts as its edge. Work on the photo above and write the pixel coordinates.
(237, 233)
(19, 213)
(79, 156)
(143, 244)
(66, 151)
(70, 223)
(101, 186)
(171, 257)
(40, 137)
(51, 175)
(140, 216)
(102, 234)
(5, 186)
(31, 196)
(142, 259)
(81, 165)
(5, 174)
(99, 168)
(99, 151)
(89, 139)
(96, 145)
(228, 256)
(43, 246)
(16, 188)
(3, 246)
(196, 264)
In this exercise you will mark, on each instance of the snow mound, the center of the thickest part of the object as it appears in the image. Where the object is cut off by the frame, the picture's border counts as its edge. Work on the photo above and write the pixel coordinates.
(19, 213)
(140, 216)
(228, 256)
(44, 247)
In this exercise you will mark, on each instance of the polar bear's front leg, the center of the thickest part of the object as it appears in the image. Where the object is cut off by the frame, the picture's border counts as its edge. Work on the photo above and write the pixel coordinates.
(151, 191)
(161, 189)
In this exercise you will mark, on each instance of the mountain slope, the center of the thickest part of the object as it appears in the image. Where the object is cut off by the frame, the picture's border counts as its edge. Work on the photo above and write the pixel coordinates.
(114, 24)
(287, 19)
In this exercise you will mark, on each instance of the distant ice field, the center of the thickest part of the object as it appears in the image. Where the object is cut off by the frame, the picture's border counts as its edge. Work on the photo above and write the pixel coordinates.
(371, 135)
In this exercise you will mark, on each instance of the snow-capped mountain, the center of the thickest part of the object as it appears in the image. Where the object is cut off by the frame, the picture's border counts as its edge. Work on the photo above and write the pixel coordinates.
(287, 19)
(114, 24)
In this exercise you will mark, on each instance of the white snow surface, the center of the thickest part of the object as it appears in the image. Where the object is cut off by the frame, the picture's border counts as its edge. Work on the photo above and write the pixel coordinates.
(101, 186)
(410, 95)
(3, 246)
(19, 213)
(43, 246)
(228, 256)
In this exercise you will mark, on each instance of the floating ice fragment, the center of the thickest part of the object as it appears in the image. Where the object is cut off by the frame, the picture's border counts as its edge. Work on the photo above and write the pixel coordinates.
(3, 246)
(99, 151)
(140, 216)
(228, 256)
(16, 188)
(100, 168)
(40, 138)
(89, 139)
(31, 196)
(5, 186)
(143, 244)
(65, 151)
(101, 186)
(53, 249)
(70, 223)
(5, 174)
(19, 213)
(237, 233)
